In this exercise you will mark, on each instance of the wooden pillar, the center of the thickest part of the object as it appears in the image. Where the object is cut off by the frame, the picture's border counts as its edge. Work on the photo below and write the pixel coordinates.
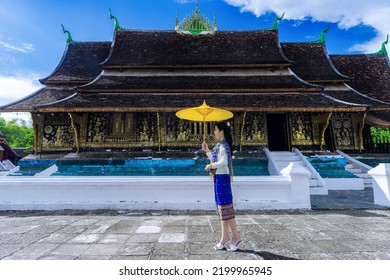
(38, 119)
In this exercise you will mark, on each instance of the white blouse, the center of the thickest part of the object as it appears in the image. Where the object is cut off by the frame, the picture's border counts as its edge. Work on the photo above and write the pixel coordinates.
(222, 161)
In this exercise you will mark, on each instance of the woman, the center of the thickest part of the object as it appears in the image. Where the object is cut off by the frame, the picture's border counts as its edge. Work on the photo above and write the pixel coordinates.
(220, 165)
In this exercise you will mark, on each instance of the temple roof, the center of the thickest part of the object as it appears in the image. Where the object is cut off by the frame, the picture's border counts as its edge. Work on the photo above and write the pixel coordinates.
(311, 62)
(208, 81)
(137, 49)
(42, 96)
(80, 63)
(378, 118)
(370, 74)
(161, 102)
(347, 94)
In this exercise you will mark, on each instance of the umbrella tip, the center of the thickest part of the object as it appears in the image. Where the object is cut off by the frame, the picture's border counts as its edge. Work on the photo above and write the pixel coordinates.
(204, 102)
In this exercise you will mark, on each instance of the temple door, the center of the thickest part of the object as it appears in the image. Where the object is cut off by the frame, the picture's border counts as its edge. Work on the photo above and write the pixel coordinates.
(277, 131)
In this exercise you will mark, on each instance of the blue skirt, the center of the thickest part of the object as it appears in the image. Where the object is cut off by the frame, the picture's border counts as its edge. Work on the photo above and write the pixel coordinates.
(223, 197)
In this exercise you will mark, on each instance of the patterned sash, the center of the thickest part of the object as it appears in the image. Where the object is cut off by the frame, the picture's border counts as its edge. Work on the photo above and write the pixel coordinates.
(227, 149)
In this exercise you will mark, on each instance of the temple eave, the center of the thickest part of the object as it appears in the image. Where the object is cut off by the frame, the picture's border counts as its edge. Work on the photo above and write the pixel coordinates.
(191, 66)
(240, 90)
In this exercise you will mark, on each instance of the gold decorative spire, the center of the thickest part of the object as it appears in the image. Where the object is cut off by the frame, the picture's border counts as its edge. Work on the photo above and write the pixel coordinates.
(196, 23)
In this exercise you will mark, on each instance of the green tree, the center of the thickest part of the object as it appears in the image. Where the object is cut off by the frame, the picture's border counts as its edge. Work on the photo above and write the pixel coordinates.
(380, 135)
(19, 133)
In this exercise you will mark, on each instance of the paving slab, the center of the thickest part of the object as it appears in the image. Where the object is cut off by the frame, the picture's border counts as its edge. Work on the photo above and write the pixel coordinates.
(318, 234)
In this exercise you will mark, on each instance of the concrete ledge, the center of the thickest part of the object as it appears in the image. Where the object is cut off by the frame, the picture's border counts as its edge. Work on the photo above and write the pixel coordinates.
(181, 193)
(177, 193)
(344, 183)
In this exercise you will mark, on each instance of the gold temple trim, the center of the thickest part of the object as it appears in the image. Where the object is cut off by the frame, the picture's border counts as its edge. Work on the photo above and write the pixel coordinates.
(174, 109)
(328, 81)
(81, 82)
(197, 66)
(206, 90)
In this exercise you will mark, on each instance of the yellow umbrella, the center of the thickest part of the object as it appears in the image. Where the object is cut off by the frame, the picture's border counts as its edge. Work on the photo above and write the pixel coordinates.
(204, 113)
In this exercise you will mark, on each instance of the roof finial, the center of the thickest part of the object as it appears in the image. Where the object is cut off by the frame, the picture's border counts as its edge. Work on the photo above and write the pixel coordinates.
(215, 22)
(196, 23)
(383, 50)
(69, 40)
(177, 20)
(321, 40)
(117, 25)
(276, 22)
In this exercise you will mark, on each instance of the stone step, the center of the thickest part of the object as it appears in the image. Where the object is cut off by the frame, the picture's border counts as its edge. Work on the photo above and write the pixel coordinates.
(283, 164)
(363, 175)
(353, 170)
(367, 181)
(290, 158)
(282, 153)
(348, 165)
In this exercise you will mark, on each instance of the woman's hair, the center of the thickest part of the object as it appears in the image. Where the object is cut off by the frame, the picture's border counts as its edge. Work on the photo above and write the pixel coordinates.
(227, 133)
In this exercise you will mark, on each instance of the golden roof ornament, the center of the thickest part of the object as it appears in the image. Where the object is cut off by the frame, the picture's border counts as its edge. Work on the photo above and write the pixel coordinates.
(196, 23)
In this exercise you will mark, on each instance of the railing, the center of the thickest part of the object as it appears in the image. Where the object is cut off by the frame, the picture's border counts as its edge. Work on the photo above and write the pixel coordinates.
(355, 163)
(272, 166)
(381, 146)
(314, 173)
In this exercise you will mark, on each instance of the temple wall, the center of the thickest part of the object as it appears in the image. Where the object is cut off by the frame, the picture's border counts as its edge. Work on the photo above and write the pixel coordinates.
(85, 131)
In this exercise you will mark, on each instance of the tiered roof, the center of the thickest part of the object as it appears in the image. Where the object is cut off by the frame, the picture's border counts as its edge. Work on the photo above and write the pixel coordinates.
(311, 62)
(169, 49)
(371, 76)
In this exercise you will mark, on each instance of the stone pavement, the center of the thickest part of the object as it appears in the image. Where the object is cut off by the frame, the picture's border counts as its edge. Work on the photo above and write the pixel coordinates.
(343, 225)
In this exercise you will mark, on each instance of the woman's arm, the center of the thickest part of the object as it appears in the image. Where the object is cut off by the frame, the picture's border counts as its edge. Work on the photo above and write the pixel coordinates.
(205, 148)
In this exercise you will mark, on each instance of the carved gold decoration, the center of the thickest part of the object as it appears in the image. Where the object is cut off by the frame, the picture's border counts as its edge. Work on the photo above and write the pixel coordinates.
(254, 129)
(145, 129)
(75, 131)
(37, 127)
(358, 123)
(58, 132)
(159, 131)
(242, 131)
(97, 127)
(343, 130)
(301, 129)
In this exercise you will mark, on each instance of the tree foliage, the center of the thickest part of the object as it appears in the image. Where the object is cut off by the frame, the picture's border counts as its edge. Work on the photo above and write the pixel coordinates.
(18, 133)
(380, 135)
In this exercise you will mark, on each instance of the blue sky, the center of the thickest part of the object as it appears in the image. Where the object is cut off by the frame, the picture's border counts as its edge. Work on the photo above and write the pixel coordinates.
(32, 42)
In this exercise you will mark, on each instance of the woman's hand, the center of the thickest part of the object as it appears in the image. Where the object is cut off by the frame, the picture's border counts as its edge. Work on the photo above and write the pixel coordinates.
(205, 147)
(208, 167)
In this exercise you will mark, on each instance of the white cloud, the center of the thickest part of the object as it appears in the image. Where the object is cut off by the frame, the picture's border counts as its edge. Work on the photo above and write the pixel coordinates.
(25, 48)
(14, 88)
(19, 116)
(347, 13)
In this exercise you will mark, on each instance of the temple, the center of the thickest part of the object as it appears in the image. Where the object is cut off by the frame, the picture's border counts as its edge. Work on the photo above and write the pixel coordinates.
(124, 94)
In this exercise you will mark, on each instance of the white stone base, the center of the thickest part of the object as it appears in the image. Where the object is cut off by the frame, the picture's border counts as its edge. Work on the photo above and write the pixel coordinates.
(142, 193)
(344, 183)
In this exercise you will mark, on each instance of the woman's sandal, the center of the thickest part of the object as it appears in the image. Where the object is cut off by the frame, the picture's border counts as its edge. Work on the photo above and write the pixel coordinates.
(233, 247)
(220, 246)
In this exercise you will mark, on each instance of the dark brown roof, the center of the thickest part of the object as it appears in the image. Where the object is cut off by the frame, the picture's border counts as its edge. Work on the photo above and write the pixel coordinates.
(354, 97)
(378, 118)
(80, 63)
(370, 74)
(172, 102)
(42, 96)
(311, 62)
(170, 49)
(193, 83)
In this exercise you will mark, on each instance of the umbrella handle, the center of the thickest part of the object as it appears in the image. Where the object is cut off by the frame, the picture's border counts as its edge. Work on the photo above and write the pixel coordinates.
(204, 132)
